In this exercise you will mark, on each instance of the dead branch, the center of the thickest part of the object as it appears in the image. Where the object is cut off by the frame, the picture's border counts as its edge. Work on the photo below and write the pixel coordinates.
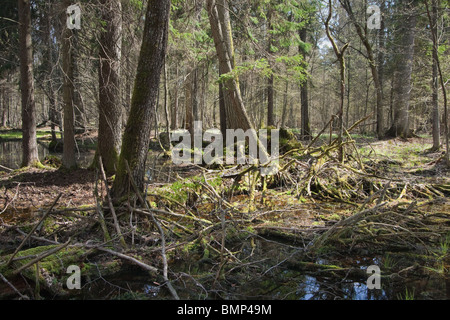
(14, 288)
(111, 206)
(34, 229)
(42, 256)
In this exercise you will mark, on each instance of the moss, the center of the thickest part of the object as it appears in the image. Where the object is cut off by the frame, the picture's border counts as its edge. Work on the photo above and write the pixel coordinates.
(52, 161)
(53, 264)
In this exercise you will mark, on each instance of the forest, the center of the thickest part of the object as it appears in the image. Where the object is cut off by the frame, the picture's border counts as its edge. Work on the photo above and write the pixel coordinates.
(224, 150)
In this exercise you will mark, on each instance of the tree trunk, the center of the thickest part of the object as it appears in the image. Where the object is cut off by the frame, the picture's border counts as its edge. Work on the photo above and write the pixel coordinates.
(29, 140)
(222, 111)
(285, 105)
(435, 82)
(305, 122)
(136, 138)
(221, 30)
(339, 52)
(403, 59)
(68, 158)
(270, 80)
(110, 108)
(189, 108)
(166, 99)
(175, 99)
(362, 33)
(270, 102)
(236, 115)
(441, 78)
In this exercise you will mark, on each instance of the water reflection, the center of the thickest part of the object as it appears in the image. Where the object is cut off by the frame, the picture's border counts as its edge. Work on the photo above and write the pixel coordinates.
(11, 154)
(313, 288)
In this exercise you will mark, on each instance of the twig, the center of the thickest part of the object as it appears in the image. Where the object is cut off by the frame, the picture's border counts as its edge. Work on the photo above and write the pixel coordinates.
(124, 256)
(150, 210)
(111, 206)
(6, 169)
(98, 209)
(34, 229)
(158, 225)
(14, 288)
(12, 200)
(42, 256)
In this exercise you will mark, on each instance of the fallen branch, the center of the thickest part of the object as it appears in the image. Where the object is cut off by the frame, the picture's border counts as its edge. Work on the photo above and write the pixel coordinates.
(349, 221)
(6, 169)
(34, 229)
(42, 256)
(124, 256)
(12, 200)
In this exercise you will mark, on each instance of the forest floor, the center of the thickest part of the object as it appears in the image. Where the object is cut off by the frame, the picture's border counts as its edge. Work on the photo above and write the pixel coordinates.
(310, 234)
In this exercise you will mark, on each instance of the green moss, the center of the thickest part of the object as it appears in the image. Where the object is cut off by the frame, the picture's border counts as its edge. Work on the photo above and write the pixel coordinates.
(17, 134)
(54, 264)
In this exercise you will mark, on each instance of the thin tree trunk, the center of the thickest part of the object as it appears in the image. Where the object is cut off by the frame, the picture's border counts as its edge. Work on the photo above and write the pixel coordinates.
(340, 56)
(29, 140)
(304, 97)
(373, 66)
(435, 82)
(285, 105)
(174, 111)
(166, 98)
(222, 111)
(270, 80)
(189, 109)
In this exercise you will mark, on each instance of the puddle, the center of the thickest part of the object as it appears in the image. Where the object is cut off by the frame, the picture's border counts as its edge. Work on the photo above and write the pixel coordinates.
(11, 154)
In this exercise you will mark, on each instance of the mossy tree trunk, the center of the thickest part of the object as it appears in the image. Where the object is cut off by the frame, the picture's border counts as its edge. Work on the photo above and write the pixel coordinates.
(136, 138)
(110, 108)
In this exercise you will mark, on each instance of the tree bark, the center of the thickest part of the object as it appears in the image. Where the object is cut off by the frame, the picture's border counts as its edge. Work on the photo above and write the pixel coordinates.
(305, 122)
(136, 138)
(270, 80)
(441, 79)
(68, 158)
(236, 115)
(339, 52)
(175, 99)
(29, 140)
(435, 81)
(403, 59)
(110, 108)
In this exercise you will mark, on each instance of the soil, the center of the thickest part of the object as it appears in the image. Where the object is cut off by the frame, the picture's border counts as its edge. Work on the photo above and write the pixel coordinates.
(38, 188)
